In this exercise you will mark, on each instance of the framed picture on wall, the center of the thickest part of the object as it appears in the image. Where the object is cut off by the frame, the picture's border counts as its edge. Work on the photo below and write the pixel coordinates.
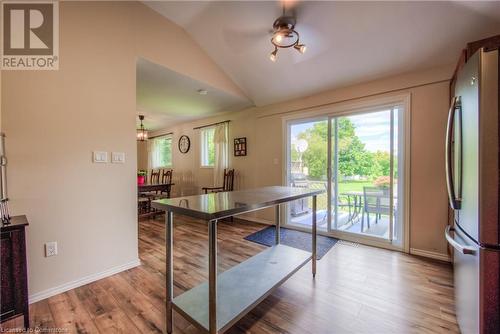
(240, 147)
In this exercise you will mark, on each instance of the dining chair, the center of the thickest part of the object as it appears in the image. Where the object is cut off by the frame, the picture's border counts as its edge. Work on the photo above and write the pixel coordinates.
(154, 177)
(166, 178)
(227, 185)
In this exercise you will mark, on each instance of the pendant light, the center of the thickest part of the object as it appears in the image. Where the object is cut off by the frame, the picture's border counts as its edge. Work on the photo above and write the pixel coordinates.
(142, 134)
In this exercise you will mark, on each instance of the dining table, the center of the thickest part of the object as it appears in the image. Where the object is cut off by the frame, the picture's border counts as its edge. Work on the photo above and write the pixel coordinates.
(145, 188)
(148, 187)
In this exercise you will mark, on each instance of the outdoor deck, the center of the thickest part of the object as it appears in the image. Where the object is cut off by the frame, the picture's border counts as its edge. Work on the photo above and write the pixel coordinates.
(379, 229)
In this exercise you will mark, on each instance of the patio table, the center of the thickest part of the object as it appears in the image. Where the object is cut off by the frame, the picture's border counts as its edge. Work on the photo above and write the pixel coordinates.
(358, 201)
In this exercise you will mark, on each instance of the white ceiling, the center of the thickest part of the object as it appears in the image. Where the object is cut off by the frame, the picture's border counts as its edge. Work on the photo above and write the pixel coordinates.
(166, 97)
(348, 42)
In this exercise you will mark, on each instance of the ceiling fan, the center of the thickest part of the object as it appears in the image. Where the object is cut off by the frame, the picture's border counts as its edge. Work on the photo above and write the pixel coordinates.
(295, 16)
(284, 34)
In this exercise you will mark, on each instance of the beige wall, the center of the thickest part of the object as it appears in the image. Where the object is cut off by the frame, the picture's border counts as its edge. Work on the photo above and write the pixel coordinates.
(142, 155)
(55, 119)
(189, 176)
(263, 127)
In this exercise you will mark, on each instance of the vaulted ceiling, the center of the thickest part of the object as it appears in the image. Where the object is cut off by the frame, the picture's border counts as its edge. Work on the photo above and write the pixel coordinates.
(348, 42)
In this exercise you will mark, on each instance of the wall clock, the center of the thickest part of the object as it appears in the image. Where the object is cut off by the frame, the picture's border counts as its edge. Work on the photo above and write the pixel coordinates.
(184, 144)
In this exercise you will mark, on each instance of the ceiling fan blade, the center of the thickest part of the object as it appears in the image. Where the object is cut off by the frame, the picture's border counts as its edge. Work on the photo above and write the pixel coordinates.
(240, 40)
(315, 42)
(294, 9)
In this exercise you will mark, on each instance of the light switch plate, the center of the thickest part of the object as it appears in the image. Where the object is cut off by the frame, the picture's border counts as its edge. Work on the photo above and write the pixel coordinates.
(118, 157)
(100, 157)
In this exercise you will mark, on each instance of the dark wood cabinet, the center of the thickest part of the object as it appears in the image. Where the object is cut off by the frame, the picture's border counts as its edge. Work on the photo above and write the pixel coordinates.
(13, 270)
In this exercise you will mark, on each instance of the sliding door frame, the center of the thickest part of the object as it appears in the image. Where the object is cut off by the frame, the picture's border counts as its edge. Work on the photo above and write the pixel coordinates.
(349, 108)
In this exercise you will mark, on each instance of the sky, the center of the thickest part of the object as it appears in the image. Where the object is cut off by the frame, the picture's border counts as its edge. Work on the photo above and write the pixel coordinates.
(373, 129)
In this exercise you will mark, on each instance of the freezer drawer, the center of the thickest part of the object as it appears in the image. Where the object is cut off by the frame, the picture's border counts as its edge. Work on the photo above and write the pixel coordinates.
(477, 285)
(466, 279)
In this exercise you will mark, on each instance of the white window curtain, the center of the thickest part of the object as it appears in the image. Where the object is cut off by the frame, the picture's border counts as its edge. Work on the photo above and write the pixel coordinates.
(153, 154)
(221, 153)
(151, 149)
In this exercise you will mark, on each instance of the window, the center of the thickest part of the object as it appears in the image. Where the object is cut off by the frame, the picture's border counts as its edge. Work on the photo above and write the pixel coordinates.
(207, 147)
(161, 152)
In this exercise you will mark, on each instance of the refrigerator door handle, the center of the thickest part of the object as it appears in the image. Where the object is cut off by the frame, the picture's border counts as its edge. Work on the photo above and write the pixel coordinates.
(450, 183)
(461, 248)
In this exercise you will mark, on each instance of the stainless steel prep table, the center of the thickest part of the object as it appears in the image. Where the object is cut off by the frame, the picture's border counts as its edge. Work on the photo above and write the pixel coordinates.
(216, 305)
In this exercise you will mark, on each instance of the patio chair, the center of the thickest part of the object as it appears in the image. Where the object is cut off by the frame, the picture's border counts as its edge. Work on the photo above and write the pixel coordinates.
(375, 201)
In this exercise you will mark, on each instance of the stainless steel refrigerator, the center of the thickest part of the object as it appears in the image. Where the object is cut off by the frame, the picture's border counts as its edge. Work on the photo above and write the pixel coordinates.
(472, 171)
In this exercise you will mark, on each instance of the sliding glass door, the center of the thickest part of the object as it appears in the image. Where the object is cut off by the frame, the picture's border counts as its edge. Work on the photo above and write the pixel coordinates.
(308, 154)
(356, 158)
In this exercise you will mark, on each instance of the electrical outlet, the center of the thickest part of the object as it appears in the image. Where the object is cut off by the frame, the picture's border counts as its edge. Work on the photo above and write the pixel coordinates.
(50, 248)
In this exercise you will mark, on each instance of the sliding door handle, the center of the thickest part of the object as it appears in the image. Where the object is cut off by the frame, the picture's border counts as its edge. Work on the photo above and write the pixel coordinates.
(461, 248)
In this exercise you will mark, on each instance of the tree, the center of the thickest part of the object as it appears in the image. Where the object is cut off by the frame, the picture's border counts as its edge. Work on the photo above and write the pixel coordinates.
(382, 163)
(315, 157)
(353, 158)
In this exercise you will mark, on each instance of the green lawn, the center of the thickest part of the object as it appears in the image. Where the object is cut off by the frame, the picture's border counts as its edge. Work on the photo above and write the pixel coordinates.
(343, 187)
(353, 186)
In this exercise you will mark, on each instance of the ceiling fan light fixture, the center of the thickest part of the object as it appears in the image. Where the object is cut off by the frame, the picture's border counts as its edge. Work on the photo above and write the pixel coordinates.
(285, 36)
(274, 55)
(302, 48)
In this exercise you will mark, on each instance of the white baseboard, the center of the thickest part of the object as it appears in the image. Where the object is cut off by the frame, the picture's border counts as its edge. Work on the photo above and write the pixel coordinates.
(82, 281)
(431, 255)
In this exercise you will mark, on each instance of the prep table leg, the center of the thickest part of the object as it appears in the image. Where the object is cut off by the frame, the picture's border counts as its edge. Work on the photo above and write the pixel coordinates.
(278, 223)
(212, 276)
(169, 272)
(314, 237)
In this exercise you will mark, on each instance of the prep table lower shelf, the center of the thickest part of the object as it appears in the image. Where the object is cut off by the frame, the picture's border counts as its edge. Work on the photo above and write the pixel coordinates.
(242, 287)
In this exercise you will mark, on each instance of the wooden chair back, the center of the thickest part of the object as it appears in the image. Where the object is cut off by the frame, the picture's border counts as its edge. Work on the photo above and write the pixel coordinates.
(228, 184)
(166, 176)
(154, 177)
